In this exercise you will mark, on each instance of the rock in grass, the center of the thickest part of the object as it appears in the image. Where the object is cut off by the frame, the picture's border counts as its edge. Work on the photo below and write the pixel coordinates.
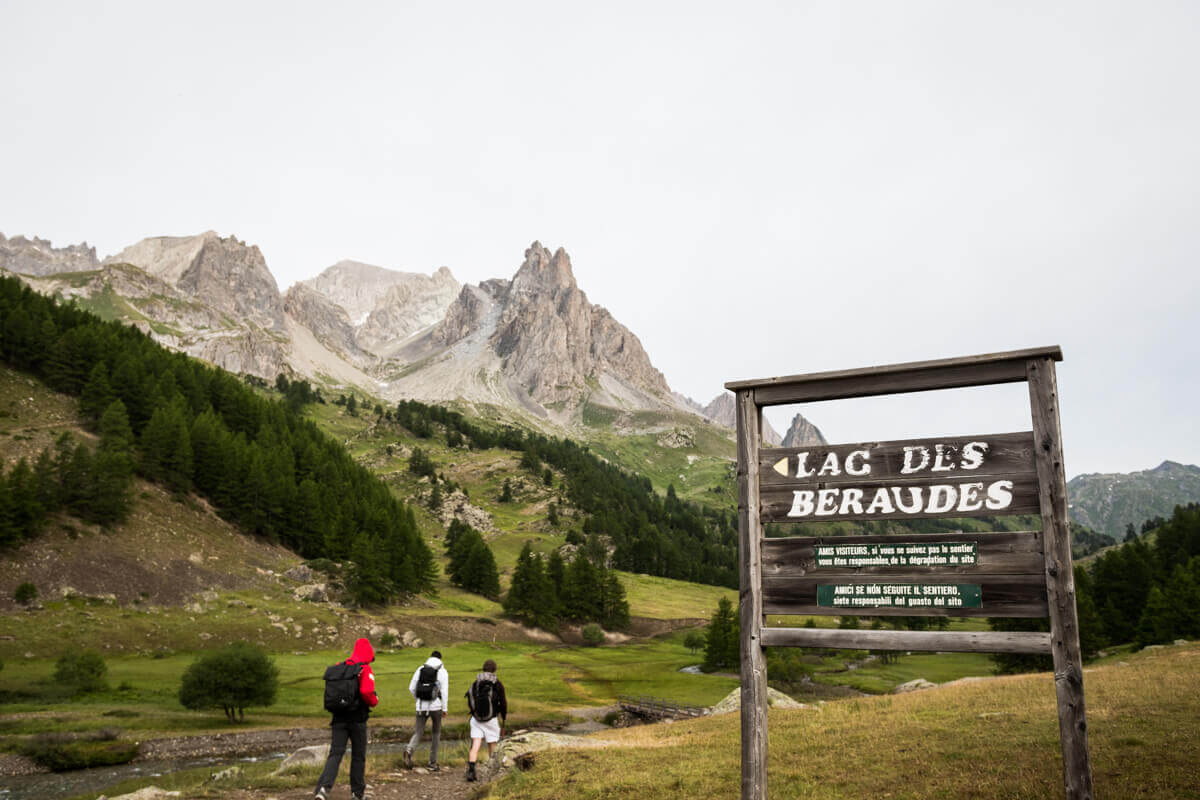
(146, 793)
(914, 686)
(314, 754)
(775, 699)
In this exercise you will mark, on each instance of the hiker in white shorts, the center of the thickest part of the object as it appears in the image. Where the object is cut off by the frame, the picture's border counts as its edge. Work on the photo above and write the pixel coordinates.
(489, 710)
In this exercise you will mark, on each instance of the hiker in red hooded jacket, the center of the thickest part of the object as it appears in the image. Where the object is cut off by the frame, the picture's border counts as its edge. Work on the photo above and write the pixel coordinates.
(351, 726)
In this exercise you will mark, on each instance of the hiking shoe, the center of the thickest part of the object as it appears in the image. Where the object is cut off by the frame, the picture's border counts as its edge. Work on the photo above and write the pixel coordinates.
(471, 772)
(321, 794)
(434, 768)
(407, 760)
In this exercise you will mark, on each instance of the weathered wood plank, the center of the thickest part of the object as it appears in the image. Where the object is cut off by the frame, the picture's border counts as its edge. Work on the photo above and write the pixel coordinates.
(753, 659)
(902, 499)
(1014, 552)
(1003, 596)
(1060, 579)
(946, 373)
(932, 641)
(950, 456)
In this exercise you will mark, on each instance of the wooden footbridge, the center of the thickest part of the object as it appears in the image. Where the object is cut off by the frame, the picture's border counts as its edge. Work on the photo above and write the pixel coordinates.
(658, 708)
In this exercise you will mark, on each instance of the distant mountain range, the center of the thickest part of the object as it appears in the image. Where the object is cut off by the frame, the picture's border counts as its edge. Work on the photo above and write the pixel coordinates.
(532, 344)
(1107, 502)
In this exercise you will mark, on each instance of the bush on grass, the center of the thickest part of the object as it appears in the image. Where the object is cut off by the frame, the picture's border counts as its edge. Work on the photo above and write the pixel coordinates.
(593, 635)
(26, 593)
(81, 672)
(60, 752)
(231, 679)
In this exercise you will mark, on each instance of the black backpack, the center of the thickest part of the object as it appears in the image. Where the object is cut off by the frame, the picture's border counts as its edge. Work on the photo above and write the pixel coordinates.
(341, 688)
(427, 683)
(482, 699)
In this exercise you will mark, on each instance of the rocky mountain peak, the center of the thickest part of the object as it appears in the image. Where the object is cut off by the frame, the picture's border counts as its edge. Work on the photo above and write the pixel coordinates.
(38, 257)
(723, 411)
(165, 257)
(544, 272)
(224, 273)
(802, 432)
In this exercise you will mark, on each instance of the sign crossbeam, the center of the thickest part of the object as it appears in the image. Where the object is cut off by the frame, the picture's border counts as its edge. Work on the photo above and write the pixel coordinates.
(988, 574)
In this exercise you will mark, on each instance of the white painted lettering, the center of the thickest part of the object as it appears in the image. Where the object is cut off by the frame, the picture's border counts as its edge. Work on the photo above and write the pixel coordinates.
(970, 495)
(827, 502)
(943, 460)
(914, 492)
(802, 503)
(862, 469)
(909, 452)
(882, 503)
(942, 498)
(972, 454)
(999, 495)
(831, 466)
(851, 502)
(802, 470)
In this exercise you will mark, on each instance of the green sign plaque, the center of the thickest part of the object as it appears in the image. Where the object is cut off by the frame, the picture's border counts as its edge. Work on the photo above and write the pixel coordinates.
(899, 595)
(898, 554)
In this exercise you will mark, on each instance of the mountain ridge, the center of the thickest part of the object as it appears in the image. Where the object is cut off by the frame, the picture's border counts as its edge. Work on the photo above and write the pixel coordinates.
(533, 343)
(1109, 501)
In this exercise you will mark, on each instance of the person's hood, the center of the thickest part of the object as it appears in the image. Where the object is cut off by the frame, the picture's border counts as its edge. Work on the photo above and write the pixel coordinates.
(434, 661)
(363, 652)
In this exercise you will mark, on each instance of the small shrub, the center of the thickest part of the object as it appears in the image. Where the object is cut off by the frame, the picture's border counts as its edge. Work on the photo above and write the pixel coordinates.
(26, 593)
(82, 671)
(593, 634)
(60, 752)
(387, 640)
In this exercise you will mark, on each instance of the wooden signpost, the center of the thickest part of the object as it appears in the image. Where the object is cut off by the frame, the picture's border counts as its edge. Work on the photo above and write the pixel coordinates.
(1001, 574)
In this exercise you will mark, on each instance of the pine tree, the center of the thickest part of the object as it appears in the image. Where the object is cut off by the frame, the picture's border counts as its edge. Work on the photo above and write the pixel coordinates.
(506, 494)
(614, 608)
(1155, 626)
(479, 573)
(97, 393)
(530, 592)
(722, 649)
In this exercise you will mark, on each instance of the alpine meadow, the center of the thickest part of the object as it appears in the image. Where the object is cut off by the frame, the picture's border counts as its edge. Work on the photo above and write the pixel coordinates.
(525, 400)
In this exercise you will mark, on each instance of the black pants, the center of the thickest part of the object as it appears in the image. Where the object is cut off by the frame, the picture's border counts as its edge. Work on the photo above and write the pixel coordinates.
(356, 734)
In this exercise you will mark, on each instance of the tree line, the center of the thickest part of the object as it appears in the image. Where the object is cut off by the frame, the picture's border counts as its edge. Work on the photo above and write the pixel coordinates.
(547, 591)
(197, 428)
(1141, 592)
(649, 533)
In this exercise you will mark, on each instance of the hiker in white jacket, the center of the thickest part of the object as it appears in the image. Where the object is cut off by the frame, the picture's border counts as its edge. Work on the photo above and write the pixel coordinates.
(430, 687)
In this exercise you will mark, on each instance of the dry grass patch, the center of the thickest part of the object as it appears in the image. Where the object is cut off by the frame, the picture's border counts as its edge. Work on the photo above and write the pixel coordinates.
(992, 739)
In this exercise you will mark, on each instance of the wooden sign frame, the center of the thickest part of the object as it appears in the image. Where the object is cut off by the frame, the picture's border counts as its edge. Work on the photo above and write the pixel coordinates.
(1011, 567)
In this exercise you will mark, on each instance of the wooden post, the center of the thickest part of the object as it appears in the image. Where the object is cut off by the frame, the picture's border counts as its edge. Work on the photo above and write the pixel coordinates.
(753, 660)
(1060, 579)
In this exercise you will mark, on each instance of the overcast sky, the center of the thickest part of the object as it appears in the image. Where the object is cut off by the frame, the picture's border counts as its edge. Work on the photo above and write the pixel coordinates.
(754, 189)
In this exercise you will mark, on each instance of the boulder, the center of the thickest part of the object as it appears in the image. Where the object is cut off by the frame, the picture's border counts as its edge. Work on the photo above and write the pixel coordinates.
(300, 573)
(775, 699)
(226, 774)
(312, 592)
(146, 793)
(305, 756)
(914, 686)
